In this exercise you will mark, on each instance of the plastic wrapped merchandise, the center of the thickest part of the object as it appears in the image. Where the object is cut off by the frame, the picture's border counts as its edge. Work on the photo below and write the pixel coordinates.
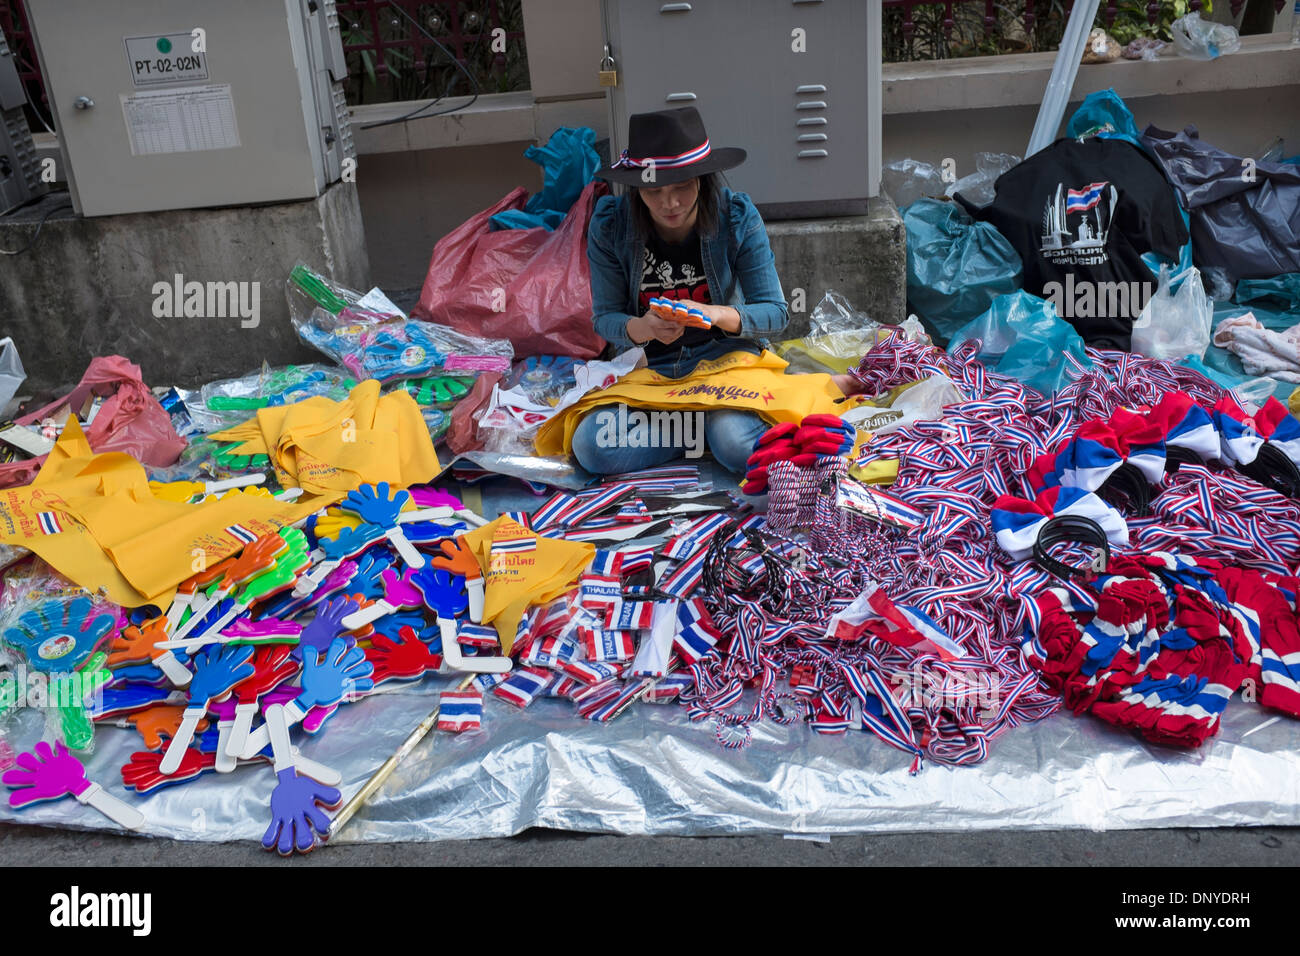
(1100, 48)
(401, 348)
(1199, 39)
(1178, 319)
(907, 180)
(1022, 336)
(11, 371)
(229, 401)
(956, 266)
(977, 188)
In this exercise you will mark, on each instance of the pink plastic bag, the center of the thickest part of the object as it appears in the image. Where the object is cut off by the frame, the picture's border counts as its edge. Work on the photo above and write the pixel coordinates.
(130, 420)
(530, 286)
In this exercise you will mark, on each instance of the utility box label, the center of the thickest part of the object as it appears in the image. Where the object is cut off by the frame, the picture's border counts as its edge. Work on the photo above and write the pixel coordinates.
(166, 59)
(183, 120)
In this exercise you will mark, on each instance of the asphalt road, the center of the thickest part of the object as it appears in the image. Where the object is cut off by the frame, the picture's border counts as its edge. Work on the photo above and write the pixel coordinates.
(1226, 847)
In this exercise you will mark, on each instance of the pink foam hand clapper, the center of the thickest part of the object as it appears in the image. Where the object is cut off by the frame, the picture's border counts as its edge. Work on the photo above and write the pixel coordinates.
(444, 595)
(281, 576)
(272, 665)
(332, 552)
(216, 672)
(49, 774)
(399, 595)
(407, 658)
(456, 558)
(257, 557)
(342, 672)
(373, 505)
(266, 630)
(437, 498)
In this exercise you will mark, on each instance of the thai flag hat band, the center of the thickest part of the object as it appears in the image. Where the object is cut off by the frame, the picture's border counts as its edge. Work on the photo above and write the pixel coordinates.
(666, 147)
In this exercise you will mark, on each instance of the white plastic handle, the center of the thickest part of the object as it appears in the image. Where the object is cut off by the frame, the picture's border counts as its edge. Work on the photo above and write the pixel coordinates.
(239, 729)
(474, 587)
(372, 612)
(173, 669)
(260, 737)
(179, 604)
(199, 613)
(458, 662)
(278, 727)
(425, 514)
(177, 746)
(470, 517)
(405, 550)
(239, 481)
(225, 761)
(122, 814)
(317, 771)
(289, 494)
(309, 582)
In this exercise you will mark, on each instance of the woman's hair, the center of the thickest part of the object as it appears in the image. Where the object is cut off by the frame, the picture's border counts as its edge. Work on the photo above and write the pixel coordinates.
(706, 220)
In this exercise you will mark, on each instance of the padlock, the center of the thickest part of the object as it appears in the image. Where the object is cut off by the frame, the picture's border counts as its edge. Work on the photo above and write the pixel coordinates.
(608, 71)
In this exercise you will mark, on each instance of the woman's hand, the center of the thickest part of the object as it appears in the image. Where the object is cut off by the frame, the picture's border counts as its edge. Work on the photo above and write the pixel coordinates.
(642, 328)
(722, 316)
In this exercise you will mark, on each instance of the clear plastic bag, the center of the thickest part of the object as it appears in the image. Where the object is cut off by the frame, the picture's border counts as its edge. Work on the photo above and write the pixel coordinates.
(1199, 39)
(229, 401)
(1176, 322)
(977, 188)
(841, 335)
(400, 348)
(12, 375)
(1218, 283)
(907, 180)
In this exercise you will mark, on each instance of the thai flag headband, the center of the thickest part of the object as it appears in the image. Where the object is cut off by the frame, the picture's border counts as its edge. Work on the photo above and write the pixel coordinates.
(687, 158)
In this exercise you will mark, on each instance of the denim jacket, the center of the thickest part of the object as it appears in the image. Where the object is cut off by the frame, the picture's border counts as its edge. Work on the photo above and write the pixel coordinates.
(738, 264)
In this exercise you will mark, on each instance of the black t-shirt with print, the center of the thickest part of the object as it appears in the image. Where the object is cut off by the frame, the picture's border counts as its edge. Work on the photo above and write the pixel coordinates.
(675, 270)
(1082, 215)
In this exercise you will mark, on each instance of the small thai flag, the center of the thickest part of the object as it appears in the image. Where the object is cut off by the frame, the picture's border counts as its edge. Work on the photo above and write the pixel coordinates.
(1081, 200)
(514, 545)
(631, 616)
(460, 710)
(592, 672)
(607, 645)
(49, 521)
(477, 635)
(523, 686)
(670, 688)
(239, 532)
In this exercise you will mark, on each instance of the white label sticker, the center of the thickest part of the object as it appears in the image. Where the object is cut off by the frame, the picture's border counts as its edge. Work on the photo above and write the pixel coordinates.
(165, 59)
(181, 121)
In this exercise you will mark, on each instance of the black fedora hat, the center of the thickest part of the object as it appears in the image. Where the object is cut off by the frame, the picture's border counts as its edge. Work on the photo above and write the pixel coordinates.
(669, 146)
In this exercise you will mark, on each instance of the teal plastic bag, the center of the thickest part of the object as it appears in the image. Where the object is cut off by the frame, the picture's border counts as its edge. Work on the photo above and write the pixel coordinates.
(956, 266)
(1022, 336)
(1278, 294)
(569, 161)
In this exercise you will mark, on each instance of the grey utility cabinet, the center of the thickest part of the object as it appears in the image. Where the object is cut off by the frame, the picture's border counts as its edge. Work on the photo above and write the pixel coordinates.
(794, 82)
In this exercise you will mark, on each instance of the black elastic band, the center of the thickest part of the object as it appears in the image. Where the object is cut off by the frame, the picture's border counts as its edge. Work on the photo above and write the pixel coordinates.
(1072, 528)
(1127, 489)
(1273, 469)
(1176, 457)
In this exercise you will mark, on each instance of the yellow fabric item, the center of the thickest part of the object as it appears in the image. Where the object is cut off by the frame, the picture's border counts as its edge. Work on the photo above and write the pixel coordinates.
(516, 580)
(882, 471)
(736, 380)
(1293, 402)
(328, 447)
(116, 535)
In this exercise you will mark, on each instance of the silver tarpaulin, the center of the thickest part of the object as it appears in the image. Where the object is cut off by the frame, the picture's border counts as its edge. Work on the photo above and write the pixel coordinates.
(651, 771)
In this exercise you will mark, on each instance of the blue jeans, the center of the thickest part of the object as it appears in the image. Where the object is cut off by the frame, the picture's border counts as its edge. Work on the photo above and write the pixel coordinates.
(606, 443)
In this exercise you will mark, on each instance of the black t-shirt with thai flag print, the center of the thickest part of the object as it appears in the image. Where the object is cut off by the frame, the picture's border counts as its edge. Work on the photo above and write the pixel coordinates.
(1081, 214)
(675, 270)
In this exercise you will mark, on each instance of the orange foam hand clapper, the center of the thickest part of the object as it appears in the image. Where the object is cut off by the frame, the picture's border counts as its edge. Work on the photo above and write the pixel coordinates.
(258, 556)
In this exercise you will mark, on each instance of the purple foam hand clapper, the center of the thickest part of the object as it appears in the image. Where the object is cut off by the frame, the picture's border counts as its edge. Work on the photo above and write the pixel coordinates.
(326, 626)
(331, 553)
(444, 595)
(343, 672)
(399, 595)
(297, 820)
(216, 671)
(48, 774)
(374, 505)
(335, 582)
